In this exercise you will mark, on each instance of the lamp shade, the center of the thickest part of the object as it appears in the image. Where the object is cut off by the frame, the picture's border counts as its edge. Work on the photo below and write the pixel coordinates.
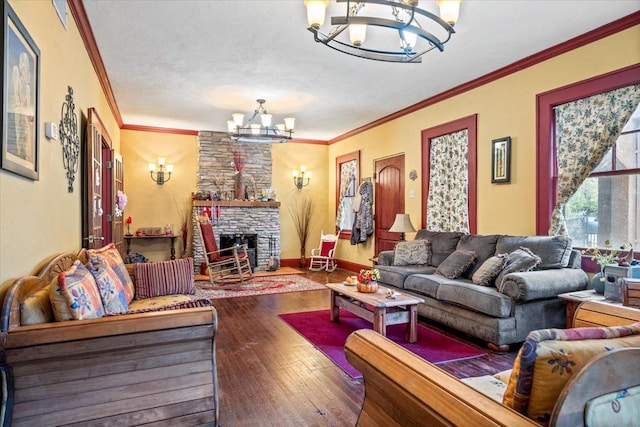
(402, 224)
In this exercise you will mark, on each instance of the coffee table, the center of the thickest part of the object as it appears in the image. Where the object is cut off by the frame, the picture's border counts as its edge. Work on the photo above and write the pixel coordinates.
(376, 308)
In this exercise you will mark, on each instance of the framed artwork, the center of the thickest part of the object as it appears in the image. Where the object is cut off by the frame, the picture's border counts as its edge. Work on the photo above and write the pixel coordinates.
(20, 98)
(347, 181)
(501, 159)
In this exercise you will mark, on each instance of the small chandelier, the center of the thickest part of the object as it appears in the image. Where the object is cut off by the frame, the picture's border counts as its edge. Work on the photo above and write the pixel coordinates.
(417, 30)
(261, 131)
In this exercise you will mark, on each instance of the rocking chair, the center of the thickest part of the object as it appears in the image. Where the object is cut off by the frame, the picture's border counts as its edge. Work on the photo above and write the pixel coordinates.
(323, 257)
(224, 265)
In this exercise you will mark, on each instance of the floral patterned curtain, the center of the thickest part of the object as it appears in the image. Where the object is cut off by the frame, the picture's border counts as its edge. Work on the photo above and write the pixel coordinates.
(586, 130)
(447, 208)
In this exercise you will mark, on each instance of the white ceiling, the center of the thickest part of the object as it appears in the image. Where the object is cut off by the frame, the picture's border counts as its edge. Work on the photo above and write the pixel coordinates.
(189, 64)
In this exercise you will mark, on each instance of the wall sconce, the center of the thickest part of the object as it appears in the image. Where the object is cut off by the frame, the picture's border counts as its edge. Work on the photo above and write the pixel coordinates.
(160, 179)
(300, 176)
(402, 225)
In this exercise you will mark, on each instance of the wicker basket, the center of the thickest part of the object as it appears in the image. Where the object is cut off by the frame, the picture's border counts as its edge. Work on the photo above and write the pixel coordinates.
(368, 288)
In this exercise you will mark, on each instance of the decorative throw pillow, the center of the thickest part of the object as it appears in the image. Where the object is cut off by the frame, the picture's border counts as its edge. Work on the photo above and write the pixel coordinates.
(489, 270)
(114, 298)
(79, 290)
(164, 278)
(113, 258)
(59, 305)
(519, 260)
(456, 264)
(416, 252)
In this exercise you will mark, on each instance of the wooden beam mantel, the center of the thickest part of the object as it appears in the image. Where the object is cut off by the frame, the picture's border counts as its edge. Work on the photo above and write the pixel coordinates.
(237, 203)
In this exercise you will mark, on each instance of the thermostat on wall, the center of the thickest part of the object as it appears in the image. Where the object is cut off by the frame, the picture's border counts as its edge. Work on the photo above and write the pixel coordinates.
(51, 130)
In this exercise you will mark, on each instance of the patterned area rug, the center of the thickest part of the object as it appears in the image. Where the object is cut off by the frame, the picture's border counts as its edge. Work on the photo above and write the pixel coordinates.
(260, 286)
(330, 337)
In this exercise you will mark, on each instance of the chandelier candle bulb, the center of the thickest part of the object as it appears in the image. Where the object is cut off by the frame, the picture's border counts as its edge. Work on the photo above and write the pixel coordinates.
(315, 12)
(289, 123)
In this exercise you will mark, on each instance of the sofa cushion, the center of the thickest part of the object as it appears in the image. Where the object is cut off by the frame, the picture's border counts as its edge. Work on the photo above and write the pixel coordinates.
(482, 299)
(443, 243)
(396, 275)
(549, 357)
(620, 408)
(554, 251)
(113, 258)
(416, 252)
(80, 291)
(112, 293)
(425, 284)
(483, 246)
(519, 260)
(153, 304)
(489, 270)
(456, 264)
(164, 278)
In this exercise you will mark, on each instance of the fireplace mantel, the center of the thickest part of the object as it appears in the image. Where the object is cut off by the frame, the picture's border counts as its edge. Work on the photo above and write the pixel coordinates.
(237, 203)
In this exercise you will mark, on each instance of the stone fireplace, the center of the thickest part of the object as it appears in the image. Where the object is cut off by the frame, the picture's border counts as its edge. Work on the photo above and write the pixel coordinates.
(238, 216)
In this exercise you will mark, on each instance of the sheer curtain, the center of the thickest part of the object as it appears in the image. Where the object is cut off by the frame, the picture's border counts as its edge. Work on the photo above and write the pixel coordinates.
(586, 130)
(447, 207)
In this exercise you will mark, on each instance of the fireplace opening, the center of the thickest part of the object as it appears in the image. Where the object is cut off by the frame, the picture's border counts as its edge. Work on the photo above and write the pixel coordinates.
(251, 240)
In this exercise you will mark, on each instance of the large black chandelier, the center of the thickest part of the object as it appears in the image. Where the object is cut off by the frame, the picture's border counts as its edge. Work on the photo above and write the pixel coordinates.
(258, 128)
(417, 31)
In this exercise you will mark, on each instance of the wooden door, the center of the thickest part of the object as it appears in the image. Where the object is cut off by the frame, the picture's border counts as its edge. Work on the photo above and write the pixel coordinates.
(97, 189)
(389, 198)
(117, 225)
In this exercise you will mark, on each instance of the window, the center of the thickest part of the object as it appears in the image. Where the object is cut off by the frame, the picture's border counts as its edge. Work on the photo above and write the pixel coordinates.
(606, 206)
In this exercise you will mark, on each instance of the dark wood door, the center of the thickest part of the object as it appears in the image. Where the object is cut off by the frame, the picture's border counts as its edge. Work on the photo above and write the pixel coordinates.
(117, 225)
(389, 199)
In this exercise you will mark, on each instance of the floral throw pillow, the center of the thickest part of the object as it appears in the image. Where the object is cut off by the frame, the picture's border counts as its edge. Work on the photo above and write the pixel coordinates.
(113, 258)
(416, 252)
(489, 270)
(112, 294)
(79, 289)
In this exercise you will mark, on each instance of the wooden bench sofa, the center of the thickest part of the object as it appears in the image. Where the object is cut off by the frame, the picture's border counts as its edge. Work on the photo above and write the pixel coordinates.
(403, 389)
(153, 368)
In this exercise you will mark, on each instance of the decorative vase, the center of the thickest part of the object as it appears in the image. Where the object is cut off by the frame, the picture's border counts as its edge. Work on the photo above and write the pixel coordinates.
(239, 186)
(597, 283)
(303, 260)
(368, 288)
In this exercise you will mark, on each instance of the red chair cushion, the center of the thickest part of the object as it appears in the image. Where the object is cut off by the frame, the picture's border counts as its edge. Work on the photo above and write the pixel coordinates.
(326, 247)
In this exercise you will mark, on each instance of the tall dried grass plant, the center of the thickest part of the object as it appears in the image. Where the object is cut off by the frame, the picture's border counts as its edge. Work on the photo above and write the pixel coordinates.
(301, 212)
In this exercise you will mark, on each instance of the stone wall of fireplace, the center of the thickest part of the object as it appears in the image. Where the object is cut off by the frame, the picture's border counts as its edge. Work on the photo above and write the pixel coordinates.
(217, 173)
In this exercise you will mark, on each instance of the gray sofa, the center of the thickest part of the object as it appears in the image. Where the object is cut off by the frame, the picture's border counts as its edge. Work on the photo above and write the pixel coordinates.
(523, 301)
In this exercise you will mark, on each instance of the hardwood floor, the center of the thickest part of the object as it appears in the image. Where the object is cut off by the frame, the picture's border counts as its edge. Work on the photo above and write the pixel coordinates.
(271, 376)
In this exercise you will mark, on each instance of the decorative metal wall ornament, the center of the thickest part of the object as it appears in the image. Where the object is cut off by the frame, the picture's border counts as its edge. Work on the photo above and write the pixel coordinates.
(69, 138)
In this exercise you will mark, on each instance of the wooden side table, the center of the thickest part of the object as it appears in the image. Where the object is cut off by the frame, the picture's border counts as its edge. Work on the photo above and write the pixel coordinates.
(163, 236)
(575, 299)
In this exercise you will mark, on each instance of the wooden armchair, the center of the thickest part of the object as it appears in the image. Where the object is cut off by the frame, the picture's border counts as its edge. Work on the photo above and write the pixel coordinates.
(224, 265)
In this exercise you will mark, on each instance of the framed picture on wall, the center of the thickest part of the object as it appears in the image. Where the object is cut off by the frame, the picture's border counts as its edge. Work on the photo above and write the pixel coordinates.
(501, 159)
(20, 98)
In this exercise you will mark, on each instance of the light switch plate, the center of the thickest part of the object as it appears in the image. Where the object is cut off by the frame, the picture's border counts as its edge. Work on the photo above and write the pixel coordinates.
(412, 194)
(51, 130)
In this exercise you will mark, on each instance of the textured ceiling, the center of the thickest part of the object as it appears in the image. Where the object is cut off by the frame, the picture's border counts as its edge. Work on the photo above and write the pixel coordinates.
(190, 64)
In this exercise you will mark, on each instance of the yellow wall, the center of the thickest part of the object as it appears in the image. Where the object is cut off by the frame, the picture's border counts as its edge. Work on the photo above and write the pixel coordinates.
(40, 218)
(153, 205)
(506, 107)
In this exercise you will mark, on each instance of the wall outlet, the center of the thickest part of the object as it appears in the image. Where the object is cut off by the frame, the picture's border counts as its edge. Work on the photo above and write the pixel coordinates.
(51, 130)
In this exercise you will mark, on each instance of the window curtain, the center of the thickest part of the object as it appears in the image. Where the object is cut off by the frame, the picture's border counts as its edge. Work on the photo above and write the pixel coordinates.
(586, 130)
(447, 207)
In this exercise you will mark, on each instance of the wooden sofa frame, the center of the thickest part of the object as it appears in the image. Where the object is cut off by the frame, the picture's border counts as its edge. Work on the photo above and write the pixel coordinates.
(404, 389)
(153, 368)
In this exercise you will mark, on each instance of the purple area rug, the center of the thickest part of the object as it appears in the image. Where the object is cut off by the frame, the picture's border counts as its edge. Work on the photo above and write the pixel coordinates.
(330, 337)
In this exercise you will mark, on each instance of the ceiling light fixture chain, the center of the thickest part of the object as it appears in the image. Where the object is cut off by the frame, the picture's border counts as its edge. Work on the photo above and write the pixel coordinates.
(422, 32)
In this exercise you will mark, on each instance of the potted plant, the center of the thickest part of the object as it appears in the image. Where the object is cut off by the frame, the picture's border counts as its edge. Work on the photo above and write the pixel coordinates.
(602, 258)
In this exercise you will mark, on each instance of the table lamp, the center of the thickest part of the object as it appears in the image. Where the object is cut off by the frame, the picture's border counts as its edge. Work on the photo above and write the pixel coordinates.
(402, 224)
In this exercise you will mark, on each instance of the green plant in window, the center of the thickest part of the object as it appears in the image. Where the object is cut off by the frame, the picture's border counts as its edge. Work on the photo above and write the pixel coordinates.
(606, 256)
